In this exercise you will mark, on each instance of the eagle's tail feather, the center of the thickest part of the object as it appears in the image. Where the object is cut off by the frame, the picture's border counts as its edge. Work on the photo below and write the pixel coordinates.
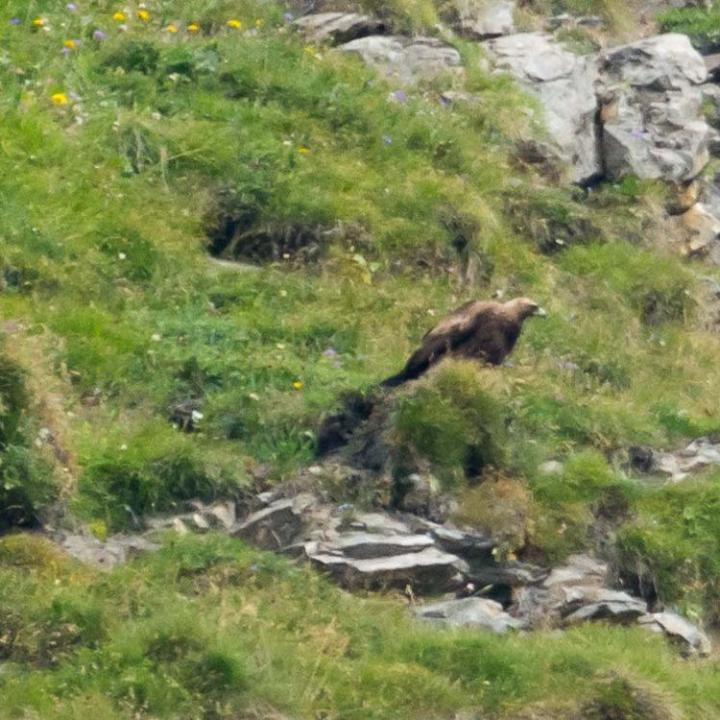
(395, 380)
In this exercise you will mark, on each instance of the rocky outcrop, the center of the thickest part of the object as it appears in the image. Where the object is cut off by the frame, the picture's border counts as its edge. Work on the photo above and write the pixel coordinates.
(338, 27)
(404, 59)
(652, 124)
(401, 552)
(563, 84)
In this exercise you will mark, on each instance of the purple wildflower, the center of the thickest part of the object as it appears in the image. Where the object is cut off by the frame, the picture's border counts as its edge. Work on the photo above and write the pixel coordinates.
(71, 7)
(288, 17)
(15, 21)
(330, 352)
(399, 96)
(387, 140)
(99, 35)
(444, 101)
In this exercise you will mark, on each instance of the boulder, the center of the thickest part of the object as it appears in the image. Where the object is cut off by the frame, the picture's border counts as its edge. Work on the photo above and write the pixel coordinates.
(472, 611)
(272, 528)
(579, 570)
(691, 639)
(338, 27)
(652, 122)
(579, 604)
(482, 20)
(563, 83)
(429, 570)
(404, 59)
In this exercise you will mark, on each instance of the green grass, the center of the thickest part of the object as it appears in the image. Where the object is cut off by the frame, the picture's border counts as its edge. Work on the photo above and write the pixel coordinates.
(391, 214)
(701, 24)
(209, 628)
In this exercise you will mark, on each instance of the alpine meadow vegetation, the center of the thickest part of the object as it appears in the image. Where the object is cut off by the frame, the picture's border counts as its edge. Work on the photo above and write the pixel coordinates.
(210, 231)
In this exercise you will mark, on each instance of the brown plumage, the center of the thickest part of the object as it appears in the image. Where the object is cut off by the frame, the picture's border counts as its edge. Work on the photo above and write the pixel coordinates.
(482, 330)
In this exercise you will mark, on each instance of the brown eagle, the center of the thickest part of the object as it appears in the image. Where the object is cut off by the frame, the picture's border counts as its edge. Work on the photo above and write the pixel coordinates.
(483, 330)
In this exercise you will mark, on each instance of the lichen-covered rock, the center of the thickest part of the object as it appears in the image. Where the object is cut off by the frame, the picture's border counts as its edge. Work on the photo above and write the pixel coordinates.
(652, 122)
(564, 85)
(105, 554)
(472, 611)
(404, 59)
(338, 27)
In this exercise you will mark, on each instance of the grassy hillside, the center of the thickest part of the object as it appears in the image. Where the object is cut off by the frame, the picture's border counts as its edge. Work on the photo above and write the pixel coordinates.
(135, 144)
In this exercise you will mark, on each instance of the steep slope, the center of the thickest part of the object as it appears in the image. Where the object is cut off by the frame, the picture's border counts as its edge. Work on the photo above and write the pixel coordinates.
(211, 230)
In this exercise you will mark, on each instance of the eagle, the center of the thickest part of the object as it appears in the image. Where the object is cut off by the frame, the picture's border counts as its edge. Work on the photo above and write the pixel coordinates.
(482, 330)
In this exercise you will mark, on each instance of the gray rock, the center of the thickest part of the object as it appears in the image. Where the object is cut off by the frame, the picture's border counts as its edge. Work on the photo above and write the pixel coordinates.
(692, 640)
(381, 523)
(697, 456)
(563, 83)
(222, 515)
(429, 570)
(199, 523)
(403, 59)
(513, 573)
(363, 545)
(338, 27)
(466, 544)
(579, 604)
(104, 553)
(272, 528)
(580, 570)
(710, 94)
(483, 20)
(652, 123)
(473, 611)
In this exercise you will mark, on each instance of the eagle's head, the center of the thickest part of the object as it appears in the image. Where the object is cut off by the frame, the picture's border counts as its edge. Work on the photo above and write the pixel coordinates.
(523, 308)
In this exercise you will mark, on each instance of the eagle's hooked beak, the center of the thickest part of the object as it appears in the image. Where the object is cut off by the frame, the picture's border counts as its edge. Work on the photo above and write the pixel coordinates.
(540, 312)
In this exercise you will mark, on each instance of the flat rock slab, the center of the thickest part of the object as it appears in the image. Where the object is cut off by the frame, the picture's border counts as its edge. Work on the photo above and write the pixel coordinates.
(338, 27)
(579, 570)
(591, 603)
(429, 570)
(476, 612)
(404, 59)
(563, 83)
(466, 544)
(691, 639)
(364, 546)
(513, 574)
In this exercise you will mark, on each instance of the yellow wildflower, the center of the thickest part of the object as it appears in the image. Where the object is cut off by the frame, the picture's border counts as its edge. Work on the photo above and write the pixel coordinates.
(259, 23)
(171, 28)
(143, 15)
(69, 44)
(39, 22)
(59, 98)
(193, 27)
(234, 24)
(303, 150)
(297, 385)
(118, 16)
